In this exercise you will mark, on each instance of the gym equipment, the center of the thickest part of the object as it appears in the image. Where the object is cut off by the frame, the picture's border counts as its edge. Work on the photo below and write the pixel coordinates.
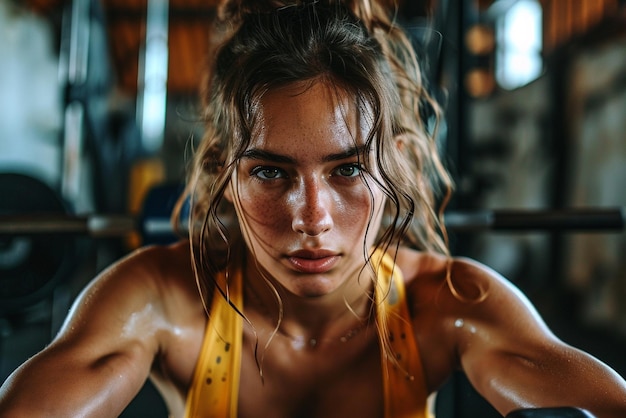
(522, 220)
(39, 236)
(563, 412)
(30, 265)
(527, 220)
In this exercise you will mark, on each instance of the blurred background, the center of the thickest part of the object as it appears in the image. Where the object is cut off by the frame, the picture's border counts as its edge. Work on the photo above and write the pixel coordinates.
(99, 111)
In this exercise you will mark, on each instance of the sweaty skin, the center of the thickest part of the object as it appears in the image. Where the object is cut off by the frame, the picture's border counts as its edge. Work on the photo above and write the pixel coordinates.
(304, 206)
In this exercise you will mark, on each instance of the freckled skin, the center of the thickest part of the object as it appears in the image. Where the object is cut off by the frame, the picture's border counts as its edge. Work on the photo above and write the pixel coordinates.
(311, 205)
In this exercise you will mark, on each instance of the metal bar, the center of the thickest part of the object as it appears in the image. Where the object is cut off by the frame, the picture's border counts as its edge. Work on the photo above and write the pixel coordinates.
(60, 224)
(528, 220)
(518, 220)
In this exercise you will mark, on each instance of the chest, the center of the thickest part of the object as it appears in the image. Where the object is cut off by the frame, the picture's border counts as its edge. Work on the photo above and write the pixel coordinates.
(332, 381)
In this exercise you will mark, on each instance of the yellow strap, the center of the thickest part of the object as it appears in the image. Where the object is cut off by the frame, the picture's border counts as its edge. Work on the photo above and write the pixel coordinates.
(403, 377)
(215, 386)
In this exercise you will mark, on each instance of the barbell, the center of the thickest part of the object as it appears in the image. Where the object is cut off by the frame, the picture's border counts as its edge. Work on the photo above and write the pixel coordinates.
(519, 220)
(37, 232)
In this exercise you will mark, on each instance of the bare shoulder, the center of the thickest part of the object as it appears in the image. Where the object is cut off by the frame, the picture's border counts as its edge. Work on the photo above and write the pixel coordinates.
(165, 271)
(142, 284)
(148, 273)
(458, 285)
(468, 317)
(456, 301)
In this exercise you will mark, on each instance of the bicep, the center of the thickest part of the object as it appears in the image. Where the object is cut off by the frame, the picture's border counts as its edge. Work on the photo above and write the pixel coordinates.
(67, 381)
(101, 357)
(515, 361)
(554, 375)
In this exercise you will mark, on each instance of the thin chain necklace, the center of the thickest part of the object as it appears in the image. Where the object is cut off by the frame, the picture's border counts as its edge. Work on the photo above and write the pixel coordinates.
(299, 341)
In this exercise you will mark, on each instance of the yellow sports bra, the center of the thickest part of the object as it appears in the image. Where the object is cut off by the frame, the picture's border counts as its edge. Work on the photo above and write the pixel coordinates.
(215, 386)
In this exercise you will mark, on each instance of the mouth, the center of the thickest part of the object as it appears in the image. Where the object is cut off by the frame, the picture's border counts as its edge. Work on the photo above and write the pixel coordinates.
(313, 262)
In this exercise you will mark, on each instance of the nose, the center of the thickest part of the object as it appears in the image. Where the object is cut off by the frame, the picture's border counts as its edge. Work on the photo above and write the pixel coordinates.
(312, 208)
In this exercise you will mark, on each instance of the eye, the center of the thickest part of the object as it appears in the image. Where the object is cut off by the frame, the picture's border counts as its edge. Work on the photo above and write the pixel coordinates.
(349, 170)
(267, 173)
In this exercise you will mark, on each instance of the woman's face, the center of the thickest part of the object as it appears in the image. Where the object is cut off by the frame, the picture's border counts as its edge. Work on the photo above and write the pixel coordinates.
(302, 199)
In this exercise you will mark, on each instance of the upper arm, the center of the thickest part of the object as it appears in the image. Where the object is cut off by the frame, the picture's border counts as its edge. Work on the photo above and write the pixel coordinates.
(103, 353)
(515, 361)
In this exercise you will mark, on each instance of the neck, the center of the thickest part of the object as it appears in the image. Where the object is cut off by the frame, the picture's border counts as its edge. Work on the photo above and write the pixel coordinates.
(308, 321)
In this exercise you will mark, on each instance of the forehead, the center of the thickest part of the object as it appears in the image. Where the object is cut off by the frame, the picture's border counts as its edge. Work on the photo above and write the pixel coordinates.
(309, 115)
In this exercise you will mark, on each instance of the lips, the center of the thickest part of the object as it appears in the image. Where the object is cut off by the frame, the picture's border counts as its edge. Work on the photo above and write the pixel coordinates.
(313, 262)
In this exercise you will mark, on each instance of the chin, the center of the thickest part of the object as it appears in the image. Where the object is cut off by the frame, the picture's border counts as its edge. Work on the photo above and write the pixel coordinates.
(312, 287)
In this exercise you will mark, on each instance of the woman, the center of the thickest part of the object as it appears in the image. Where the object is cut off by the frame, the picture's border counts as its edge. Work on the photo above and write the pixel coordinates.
(314, 249)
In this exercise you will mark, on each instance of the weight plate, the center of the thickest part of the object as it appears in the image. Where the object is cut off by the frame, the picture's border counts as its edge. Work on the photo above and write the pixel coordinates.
(30, 266)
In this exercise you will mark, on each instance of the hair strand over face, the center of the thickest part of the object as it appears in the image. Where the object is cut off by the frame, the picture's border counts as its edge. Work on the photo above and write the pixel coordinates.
(357, 49)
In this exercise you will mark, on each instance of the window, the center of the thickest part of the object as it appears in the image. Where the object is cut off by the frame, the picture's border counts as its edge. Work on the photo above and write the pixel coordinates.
(519, 44)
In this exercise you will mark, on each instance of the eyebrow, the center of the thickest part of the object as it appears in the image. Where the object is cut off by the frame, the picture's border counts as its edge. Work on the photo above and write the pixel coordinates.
(259, 154)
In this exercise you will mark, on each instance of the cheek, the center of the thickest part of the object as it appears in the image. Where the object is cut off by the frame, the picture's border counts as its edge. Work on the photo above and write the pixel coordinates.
(353, 211)
(354, 207)
(262, 209)
(367, 214)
